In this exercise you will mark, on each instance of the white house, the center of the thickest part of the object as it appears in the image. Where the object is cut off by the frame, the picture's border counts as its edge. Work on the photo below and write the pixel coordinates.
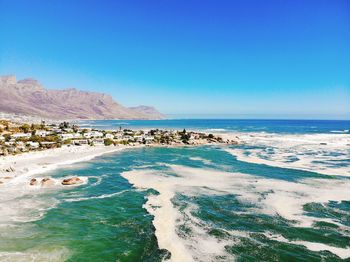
(21, 146)
(80, 142)
(2, 138)
(128, 132)
(68, 130)
(96, 134)
(33, 145)
(87, 135)
(109, 136)
(98, 142)
(149, 138)
(77, 135)
(118, 135)
(41, 133)
(138, 138)
(66, 136)
(21, 135)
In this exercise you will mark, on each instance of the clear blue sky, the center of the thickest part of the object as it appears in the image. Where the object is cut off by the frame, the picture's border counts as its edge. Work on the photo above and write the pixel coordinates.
(287, 59)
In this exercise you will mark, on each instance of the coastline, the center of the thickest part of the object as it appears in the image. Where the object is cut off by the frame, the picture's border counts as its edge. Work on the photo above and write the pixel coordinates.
(33, 163)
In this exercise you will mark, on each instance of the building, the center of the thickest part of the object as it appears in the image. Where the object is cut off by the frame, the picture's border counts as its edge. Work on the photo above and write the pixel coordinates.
(148, 139)
(87, 135)
(21, 135)
(33, 145)
(109, 136)
(66, 136)
(80, 142)
(98, 141)
(47, 144)
(41, 133)
(96, 134)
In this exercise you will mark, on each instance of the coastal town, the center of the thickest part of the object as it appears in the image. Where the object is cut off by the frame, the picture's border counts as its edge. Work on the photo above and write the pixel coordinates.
(17, 138)
(36, 147)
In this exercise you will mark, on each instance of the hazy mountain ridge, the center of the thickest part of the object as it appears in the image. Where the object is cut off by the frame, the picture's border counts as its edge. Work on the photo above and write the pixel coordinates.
(29, 97)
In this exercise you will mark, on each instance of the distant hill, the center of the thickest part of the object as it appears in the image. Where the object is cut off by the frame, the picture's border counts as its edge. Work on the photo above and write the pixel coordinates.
(29, 97)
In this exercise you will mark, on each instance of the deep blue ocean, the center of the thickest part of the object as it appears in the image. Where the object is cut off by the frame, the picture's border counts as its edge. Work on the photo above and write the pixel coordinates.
(229, 125)
(282, 194)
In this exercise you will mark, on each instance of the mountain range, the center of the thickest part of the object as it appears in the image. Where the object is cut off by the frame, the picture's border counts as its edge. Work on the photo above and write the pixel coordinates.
(29, 97)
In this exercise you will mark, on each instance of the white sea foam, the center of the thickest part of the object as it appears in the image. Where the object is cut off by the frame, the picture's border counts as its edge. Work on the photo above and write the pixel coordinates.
(203, 160)
(20, 202)
(24, 203)
(313, 246)
(77, 199)
(216, 130)
(36, 255)
(269, 196)
(340, 131)
(321, 153)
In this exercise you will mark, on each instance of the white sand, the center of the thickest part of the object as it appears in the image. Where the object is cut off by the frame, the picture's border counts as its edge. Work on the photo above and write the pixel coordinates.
(19, 201)
(28, 164)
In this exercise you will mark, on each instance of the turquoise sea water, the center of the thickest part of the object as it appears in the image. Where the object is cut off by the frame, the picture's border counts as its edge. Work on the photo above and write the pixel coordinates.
(221, 208)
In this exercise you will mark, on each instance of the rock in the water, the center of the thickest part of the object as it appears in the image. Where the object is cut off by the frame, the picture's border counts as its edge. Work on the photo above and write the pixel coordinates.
(72, 181)
(47, 182)
(33, 182)
(10, 169)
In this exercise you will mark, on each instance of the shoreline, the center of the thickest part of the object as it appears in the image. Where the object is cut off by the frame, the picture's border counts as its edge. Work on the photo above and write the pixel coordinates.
(33, 163)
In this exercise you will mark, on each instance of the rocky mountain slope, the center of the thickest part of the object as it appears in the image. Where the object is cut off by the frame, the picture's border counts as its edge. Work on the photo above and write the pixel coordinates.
(29, 97)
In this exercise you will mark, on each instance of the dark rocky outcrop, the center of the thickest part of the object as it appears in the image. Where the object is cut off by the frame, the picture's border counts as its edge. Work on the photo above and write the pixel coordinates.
(72, 181)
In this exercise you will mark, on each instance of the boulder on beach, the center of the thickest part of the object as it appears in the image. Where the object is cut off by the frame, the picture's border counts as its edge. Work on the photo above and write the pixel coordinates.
(71, 181)
(33, 182)
(47, 182)
(10, 169)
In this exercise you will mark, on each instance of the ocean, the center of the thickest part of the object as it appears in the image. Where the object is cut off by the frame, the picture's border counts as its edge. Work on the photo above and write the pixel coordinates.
(228, 125)
(283, 194)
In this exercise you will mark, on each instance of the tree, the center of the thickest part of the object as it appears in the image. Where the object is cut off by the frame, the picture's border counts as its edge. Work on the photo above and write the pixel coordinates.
(64, 125)
(25, 128)
(185, 137)
(36, 139)
(7, 137)
(108, 142)
(67, 141)
(52, 138)
(75, 128)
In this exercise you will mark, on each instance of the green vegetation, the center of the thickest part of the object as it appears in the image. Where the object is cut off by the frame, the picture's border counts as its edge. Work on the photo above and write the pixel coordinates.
(67, 141)
(36, 139)
(25, 128)
(108, 142)
(52, 138)
(185, 137)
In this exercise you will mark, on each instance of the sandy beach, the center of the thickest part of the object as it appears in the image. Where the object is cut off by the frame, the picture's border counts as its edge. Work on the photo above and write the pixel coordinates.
(16, 199)
(15, 169)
